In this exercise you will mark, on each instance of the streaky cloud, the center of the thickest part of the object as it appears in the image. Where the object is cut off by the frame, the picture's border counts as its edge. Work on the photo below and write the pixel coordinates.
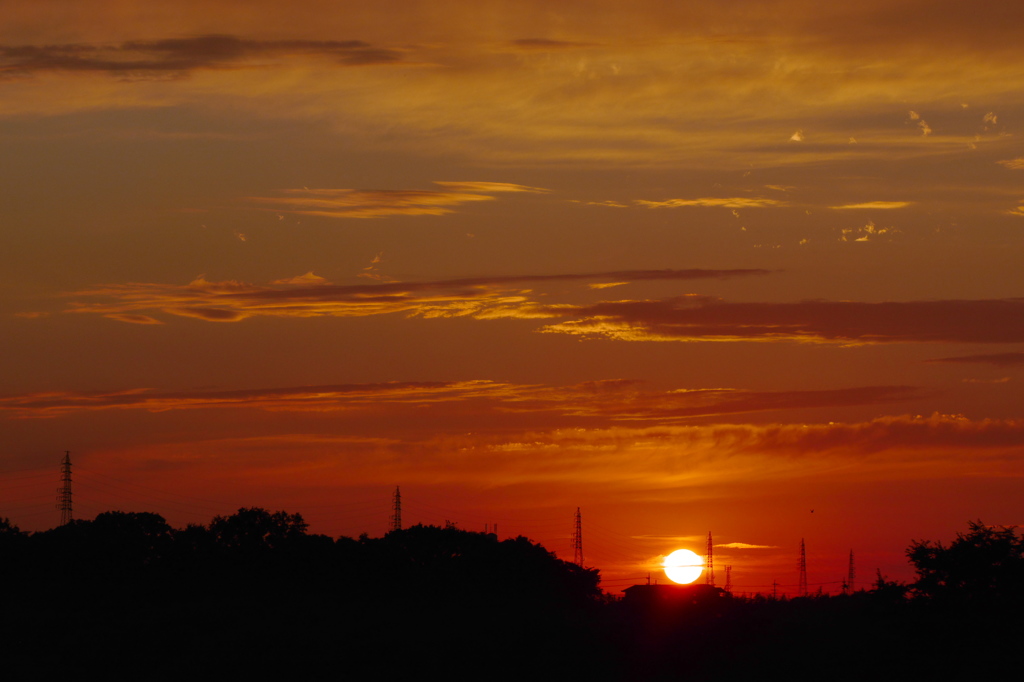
(656, 457)
(133, 318)
(875, 205)
(842, 322)
(183, 55)
(489, 187)
(309, 296)
(997, 359)
(374, 203)
(594, 402)
(745, 545)
(548, 44)
(724, 202)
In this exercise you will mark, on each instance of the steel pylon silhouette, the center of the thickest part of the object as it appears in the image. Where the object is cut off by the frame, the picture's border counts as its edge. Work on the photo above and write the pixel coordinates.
(396, 511)
(64, 491)
(802, 590)
(577, 540)
(709, 563)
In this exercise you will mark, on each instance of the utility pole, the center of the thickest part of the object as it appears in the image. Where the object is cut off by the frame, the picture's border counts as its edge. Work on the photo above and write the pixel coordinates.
(396, 511)
(709, 573)
(64, 492)
(802, 590)
(577, 541)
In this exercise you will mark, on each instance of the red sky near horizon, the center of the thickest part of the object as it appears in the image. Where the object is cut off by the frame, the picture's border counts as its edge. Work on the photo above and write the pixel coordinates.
(751, 268)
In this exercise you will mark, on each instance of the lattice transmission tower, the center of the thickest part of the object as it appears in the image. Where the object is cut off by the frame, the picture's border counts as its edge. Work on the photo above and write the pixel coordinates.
(709, 561)
(64, 491)
(577, 540)
(802, 590)
(728, 578)
(396, 511)
(851, 573)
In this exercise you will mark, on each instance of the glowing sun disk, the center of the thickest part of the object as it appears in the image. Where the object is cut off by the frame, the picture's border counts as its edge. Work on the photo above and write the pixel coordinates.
(683, 566)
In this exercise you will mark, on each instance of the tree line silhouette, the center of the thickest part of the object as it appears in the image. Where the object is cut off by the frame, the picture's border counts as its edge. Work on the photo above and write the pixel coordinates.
(256, 593)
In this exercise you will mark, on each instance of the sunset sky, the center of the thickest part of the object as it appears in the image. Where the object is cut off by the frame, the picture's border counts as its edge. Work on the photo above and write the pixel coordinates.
(747, 267)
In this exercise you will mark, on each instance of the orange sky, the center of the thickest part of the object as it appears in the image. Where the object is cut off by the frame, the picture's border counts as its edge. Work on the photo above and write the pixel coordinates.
(686, 266)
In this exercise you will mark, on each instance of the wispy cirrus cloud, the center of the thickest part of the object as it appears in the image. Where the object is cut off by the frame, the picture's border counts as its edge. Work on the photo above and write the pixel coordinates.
(595, 402)
(997, 359)
(545, 44)
(847, 322)
(875, 205)
(338, 396)
(183, 55)
(644, 458)
(889, 447)
(361, 203)
(681, 318)
(312, 296)
(724, 202)
(745, 545)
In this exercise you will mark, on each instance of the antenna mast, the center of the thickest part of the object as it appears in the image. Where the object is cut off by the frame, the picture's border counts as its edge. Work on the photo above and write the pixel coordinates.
(64, 492)
(803, 570)
(709, 575)
(577, 541)
(396, 511)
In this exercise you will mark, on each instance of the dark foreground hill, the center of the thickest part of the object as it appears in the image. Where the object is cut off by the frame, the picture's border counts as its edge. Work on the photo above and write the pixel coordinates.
(256, 595)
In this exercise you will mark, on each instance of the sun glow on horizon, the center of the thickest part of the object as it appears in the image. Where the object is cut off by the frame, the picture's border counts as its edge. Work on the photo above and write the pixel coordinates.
(683, 566)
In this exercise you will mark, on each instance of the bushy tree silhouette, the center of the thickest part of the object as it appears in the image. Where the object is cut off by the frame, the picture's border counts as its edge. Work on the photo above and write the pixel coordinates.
(252, 529)
(12, 544)
(984, 565)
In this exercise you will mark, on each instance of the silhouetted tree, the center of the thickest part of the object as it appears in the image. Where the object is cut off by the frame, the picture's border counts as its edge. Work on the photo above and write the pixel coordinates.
(887, 591)
(7, 528)
(986, 564)
(12, 545)
(254, 529)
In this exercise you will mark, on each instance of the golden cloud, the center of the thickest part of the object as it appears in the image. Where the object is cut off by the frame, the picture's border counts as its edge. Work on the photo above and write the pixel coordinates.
(878, 205)
(730, 202)
(488, 187)
(681, 318)
(353, 203)
(673, 85)
(595, 401)
(745, 545)
(844, 322)
(312, 296)
(183, 55)
(996, 359)
(621, 458)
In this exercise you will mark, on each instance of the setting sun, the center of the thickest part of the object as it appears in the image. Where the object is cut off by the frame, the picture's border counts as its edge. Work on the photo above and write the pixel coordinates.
(683, 566)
